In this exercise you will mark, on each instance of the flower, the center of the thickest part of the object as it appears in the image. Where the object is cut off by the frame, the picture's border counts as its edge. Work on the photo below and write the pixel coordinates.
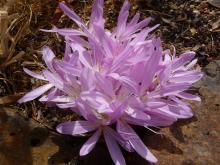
(121, 77)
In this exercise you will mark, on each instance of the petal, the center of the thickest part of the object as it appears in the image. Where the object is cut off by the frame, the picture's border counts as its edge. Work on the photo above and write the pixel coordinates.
(53, 79)
(48, 57)
(72, 15)
(67, 68)
(57, 99)
(187, 78)
(155, 103)
(188, 96)
(125, 144)
(129, 134)
(96, 100)
(90, 143)
(35, 93)
(183, 59)
(76, 127)
(35, 75)
(67, 105)
(152, 64)
(126, 81)
(97, 14)
(137, 114)
(87, 79)
(65, 31)
(104, 84)
(122, 18)
(113, 149)
(172, 89)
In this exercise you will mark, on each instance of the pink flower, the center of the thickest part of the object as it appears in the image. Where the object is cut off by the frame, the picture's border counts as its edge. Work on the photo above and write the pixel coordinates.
(120, 77)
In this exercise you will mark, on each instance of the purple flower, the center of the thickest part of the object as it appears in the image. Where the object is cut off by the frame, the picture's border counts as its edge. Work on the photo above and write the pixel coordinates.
(120, 77)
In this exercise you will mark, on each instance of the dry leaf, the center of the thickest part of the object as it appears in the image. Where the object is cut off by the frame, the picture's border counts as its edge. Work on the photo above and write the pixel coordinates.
(215, 3)
(9, 99)
(216, 24)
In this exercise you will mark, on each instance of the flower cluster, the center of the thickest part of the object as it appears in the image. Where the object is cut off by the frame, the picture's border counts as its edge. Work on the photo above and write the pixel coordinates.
(115, 78)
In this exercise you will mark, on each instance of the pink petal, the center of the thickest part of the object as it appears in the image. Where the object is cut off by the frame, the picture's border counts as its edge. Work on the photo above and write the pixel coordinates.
(137, 114)
(67, 68)
(90, 143)
(72, 15)
(76, 127)
(57, 99)
(97, 14)
(65, 31)
(122, 18)
(66, 105)
(114, 149)
(48, 57)
(188, 96)
(151, 65)
(183, 59)
(104, 84)
(35, 93)
(129, 134)
(35, 75)
(172, 89)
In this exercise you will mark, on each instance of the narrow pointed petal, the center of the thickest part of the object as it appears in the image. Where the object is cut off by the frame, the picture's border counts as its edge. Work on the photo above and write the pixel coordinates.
(72, 15)
(114, 149)
(122, 18)
(35, 93)
(104, 84)
(76, 127)
(183, 59)
(35, 75)
(48, 57)
(97, 14)
(129, 134)
(188, 96)
(90, 143)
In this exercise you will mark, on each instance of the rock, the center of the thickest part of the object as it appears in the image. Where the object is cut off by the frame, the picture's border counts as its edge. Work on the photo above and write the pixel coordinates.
(211, 78)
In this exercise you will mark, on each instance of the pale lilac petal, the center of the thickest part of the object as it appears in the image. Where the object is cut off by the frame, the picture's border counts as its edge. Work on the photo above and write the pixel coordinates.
(151, 65)
(72, 15)
(67, 105)
(90, 143)
(58, 99)
(67, 68)
(97, 14)
(65, 31)
(129, 134)
(114, 149)
(188, 96)
(137, 114)
(155, 103)
(125, 144)
(76, 127)
(97, 101)
(122, 18)
(104, 84)
(170, 90)
(192, 64)
(183, 59)
(134, 20)
(35, 75)
(35, 93)
(48, 57)
(87, 79)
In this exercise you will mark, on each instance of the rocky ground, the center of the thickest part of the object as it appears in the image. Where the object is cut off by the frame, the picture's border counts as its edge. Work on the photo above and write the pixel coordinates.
(27, 131)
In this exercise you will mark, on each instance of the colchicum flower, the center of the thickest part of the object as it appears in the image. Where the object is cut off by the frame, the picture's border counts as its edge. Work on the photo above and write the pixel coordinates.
(120, 77)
